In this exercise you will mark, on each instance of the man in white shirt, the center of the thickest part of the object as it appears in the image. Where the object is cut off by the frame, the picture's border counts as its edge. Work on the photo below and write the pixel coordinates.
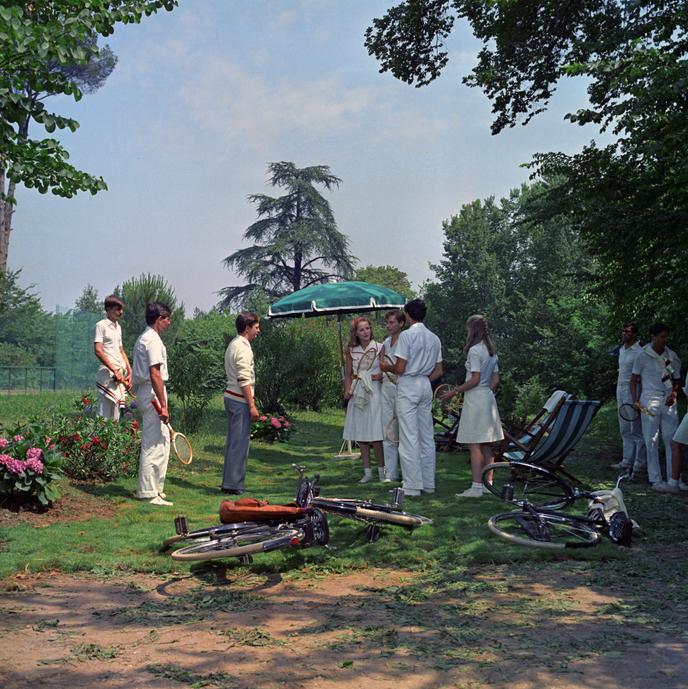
(633, 445)
(150, 374)
(114, 373)
(418, 362)
(239, 401)
(657, 370)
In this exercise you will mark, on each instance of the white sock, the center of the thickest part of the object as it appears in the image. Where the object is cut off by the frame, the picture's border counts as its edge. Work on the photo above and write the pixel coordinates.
(477, 485)
(367, 472)
(381, 473)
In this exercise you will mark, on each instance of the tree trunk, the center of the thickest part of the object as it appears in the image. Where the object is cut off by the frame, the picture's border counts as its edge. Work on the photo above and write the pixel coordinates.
(6, 211)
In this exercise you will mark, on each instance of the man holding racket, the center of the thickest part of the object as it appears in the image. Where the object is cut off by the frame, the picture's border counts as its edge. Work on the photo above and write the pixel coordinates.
(418, 363)
(239, 401)
(657, 370)
(114, 374)
(150, 374)
(633, 445)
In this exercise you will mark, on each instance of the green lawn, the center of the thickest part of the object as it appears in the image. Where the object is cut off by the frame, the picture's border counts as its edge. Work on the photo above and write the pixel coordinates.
(130, 540)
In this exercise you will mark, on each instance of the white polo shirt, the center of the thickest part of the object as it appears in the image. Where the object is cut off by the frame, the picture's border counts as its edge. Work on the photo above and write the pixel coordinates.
(109, 334)
(420, 348)
(149, 350)
(480, 361)
(627, 356)
(651, 371)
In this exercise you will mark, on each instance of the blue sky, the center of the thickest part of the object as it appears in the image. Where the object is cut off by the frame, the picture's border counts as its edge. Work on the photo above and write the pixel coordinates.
(203, 98)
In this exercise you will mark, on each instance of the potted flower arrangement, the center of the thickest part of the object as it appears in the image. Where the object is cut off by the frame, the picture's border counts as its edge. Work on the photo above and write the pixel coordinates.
(272, 428)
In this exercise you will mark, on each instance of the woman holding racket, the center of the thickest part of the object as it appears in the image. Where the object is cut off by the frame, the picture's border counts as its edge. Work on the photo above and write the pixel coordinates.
(362, 382)
(394, 322)
(479, 425)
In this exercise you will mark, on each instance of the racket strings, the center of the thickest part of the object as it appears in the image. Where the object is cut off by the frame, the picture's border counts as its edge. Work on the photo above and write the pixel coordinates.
(182, 448)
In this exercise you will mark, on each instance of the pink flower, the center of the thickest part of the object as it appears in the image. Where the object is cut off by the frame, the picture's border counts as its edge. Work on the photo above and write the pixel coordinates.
(34, 453)
(14, 466)
(4, 443)
(263, 418)
(18, 438)
(286, 424)
(34, 464)
(275, 422)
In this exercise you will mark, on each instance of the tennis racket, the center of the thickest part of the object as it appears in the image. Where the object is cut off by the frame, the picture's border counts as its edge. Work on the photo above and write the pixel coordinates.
(391, 377)
(448, 405)
(365, 363)
(629, 412)
(392, 430)
(180, 443)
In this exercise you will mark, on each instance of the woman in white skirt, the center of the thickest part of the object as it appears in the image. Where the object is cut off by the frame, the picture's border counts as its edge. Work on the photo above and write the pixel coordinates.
(479, 425)
(363, 422)
(394, 322)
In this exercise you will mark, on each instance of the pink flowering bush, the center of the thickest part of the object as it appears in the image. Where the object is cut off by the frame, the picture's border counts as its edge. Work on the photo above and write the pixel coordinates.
(272, 428)
(30, 466)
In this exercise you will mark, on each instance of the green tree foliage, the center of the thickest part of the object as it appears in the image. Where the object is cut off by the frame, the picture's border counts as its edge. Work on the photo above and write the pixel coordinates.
(27, 332)
(629, 199)
(88, 301)
(295, 242)
(136, 293)
(43, 46)
(196, 361)
(530, 278)
(297, 365)
(386, 276)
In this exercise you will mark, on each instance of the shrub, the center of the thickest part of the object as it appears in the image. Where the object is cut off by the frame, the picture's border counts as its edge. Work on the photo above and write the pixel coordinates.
(30, 466)
(95, 448)
(272, 428)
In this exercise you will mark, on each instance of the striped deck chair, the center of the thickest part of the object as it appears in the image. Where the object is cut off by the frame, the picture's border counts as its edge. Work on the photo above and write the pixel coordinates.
(524, 439)
(571, 422)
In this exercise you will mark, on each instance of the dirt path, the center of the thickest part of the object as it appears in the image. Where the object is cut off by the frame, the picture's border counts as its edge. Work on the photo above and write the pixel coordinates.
(516, 627)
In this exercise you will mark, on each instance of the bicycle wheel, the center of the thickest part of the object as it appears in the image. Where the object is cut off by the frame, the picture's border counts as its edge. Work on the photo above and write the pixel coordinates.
(260, 540)
(544, 529)
(370, 511)
(523, 483)
(213, 532)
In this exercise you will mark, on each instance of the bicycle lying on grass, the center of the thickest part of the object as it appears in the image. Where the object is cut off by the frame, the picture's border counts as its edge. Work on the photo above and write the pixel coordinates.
(251, 526)
(540, 493)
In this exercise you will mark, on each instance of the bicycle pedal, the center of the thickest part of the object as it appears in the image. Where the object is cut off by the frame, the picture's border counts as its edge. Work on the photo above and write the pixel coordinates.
(181, 525)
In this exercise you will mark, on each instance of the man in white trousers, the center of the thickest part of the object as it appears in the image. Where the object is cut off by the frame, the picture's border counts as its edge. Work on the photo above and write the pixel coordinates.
(657, 370)
(632, 443)
(150, 375)
(418, 362)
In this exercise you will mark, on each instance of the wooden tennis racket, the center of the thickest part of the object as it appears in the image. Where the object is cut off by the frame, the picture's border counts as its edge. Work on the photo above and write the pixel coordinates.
(391, 377)
(629, 412)
(365, 363)
(448, 399)
(180, 443)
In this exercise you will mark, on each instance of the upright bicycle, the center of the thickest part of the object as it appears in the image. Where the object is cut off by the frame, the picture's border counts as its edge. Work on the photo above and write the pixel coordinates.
(540, 494)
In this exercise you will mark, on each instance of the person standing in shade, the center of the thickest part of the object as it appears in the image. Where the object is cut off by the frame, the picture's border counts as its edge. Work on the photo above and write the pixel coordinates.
(418, 362)
(239, 401)
(479, 425)
(114, 373)
(675, 484)
(633, 445)
(657, 371)
(394, 321)
(150, 375)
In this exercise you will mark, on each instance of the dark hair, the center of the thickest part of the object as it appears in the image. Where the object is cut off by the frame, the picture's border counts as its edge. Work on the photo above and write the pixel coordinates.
(155, 310)
(633, 326)
(112, 300)
(658, 328)
(416, 309)
(397, 314)
(245, 320)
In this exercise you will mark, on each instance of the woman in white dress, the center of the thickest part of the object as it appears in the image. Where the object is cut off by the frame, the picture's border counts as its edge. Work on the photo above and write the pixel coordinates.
(363, 422)
(394, 322)
(479, 425)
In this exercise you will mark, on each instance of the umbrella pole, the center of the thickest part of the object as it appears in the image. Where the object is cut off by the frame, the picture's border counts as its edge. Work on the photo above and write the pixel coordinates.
(346, 451)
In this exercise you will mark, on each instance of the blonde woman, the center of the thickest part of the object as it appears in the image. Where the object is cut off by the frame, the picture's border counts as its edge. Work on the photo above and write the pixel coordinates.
(363, 422)
(480, 425)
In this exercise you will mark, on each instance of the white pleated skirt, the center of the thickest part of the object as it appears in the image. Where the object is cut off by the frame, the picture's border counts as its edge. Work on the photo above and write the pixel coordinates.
(365, 425)
(479, 422)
